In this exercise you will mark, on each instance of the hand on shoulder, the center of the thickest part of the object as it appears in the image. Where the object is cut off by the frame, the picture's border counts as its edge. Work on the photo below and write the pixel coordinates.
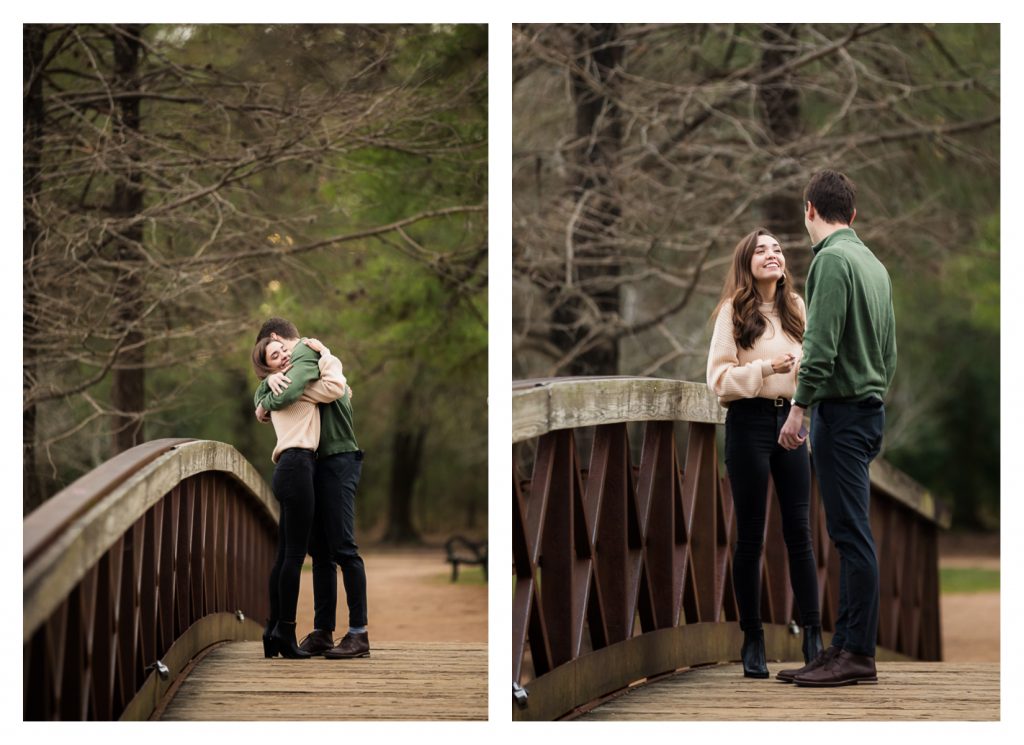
(315, 344)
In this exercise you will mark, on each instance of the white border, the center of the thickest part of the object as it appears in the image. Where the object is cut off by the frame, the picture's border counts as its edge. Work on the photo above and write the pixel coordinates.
(500, 17)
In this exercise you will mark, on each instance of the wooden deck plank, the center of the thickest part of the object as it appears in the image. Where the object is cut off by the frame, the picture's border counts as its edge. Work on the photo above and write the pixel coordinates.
(399, 681)
(906, 691)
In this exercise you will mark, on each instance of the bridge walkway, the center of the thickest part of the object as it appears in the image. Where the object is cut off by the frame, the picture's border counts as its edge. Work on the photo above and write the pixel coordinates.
(399, 681)
(906, 691)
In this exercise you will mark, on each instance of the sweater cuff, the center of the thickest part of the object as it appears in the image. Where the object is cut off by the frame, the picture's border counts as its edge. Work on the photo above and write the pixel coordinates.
(766, 368)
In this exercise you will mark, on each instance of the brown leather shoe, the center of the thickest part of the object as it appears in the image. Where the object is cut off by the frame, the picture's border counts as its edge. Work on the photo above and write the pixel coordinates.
(317, 642)
(845, 669)
(350, 646)
(824, 656)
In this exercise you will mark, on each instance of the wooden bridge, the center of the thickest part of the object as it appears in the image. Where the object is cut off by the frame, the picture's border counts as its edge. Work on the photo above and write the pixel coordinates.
(623, 606)
(144, 596)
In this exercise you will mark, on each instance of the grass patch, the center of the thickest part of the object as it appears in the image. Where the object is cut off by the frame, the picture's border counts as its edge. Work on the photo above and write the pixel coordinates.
(968, 580)
(467, 576)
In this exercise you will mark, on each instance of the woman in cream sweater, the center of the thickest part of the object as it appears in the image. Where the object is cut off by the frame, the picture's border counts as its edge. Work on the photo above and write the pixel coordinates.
(752, 367)
(298, 435)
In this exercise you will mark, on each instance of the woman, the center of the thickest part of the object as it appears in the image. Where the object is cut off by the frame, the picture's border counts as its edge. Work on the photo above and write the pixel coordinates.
(298, 435)
(752, 367)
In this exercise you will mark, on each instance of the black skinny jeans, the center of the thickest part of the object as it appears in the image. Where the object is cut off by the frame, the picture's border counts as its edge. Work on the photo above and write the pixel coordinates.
(293, 487)
(752, 452)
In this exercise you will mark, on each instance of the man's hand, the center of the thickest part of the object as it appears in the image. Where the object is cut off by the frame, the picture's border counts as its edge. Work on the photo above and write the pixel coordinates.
(279, 381)
(349, 391)
(791, 437)
(262, 414)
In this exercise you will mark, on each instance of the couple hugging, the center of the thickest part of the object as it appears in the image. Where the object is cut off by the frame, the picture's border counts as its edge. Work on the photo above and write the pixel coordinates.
(303, 392)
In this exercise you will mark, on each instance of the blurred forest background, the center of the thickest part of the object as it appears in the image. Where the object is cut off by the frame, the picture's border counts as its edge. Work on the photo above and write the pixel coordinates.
(184, 182)
(643, 153)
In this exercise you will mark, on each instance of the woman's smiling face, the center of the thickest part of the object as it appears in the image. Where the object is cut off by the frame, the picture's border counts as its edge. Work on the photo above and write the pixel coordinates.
(275, 356)
(767, 263)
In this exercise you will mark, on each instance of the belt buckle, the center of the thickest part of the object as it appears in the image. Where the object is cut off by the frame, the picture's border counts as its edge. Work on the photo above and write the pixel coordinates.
(779, 402)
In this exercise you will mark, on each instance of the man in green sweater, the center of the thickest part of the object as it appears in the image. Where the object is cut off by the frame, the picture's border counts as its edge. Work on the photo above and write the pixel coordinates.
(849, 358)
(339, 463)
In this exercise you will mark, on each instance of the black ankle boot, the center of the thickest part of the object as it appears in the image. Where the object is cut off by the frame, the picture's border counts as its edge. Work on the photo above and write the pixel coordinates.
(753, 655)
(812, 643)
(269, 642)
(284, 635)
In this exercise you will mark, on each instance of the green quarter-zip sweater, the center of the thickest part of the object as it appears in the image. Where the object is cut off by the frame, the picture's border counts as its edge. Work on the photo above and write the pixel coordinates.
(849, 348)
(337, 434)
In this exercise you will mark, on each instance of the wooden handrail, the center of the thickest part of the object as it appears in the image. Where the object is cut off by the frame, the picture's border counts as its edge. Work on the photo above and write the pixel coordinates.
(622, 548)
(544, 405)
(163, 550)
(57, 513)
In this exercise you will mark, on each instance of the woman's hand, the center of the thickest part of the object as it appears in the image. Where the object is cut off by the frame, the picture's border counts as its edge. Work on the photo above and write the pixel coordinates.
(317, 346)
(279, 381)
(784, 363)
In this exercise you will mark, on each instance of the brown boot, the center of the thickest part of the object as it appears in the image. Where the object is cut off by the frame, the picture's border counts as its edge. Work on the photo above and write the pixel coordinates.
(824, 656)
(845, 669)
(317, 642)
(351, 645)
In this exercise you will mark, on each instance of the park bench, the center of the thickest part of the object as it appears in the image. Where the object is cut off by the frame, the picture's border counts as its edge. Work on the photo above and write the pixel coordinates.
(461, 550)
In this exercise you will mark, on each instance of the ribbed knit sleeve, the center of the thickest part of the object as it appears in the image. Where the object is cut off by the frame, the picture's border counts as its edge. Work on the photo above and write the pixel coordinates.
(331, 384)
(727, 377)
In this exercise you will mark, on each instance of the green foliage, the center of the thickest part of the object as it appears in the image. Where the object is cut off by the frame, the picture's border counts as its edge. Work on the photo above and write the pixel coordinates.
(355, 127)
(948, 378)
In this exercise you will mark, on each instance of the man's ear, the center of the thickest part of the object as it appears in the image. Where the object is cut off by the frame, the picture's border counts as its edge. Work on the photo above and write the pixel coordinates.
(809, 212)
(853, 216)
(274, 336)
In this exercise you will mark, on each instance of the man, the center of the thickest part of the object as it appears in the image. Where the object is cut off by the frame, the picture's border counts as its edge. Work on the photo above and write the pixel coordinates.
(338, 467)
(849, 357)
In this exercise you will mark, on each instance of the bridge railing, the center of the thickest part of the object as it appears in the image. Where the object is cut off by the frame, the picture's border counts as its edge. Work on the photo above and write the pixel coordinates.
(136, 568)
(622, 551)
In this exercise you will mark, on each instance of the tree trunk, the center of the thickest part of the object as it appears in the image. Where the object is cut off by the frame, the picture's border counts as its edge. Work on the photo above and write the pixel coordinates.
(596, 204)
(34, 41)
(780, 106)
(406, 453)
(128, 395)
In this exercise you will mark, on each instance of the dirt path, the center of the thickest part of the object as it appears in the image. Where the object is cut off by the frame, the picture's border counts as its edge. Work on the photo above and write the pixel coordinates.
(970, 627)
(970, 621)
(410, 598)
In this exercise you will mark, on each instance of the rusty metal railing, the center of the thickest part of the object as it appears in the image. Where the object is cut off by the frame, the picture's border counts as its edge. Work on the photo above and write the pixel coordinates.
(622, 561)
(136, 568)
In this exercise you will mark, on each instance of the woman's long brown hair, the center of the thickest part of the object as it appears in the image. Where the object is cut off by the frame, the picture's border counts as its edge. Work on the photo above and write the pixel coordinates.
(747, 321)
(259, 358)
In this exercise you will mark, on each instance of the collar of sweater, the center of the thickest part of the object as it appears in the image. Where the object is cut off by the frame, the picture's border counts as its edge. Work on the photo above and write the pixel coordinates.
(835, 237)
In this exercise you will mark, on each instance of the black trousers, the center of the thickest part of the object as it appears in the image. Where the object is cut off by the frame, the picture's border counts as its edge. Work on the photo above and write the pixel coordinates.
(293, 487)
(846, 437)
(752, 452)
(333, 542)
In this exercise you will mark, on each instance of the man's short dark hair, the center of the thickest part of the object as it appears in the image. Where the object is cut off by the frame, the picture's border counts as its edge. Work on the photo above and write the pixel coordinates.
(283, 328)
(833, 195)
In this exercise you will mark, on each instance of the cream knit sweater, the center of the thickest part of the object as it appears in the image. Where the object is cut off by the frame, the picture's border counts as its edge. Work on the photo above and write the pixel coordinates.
(298, 425)
(735, 373)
